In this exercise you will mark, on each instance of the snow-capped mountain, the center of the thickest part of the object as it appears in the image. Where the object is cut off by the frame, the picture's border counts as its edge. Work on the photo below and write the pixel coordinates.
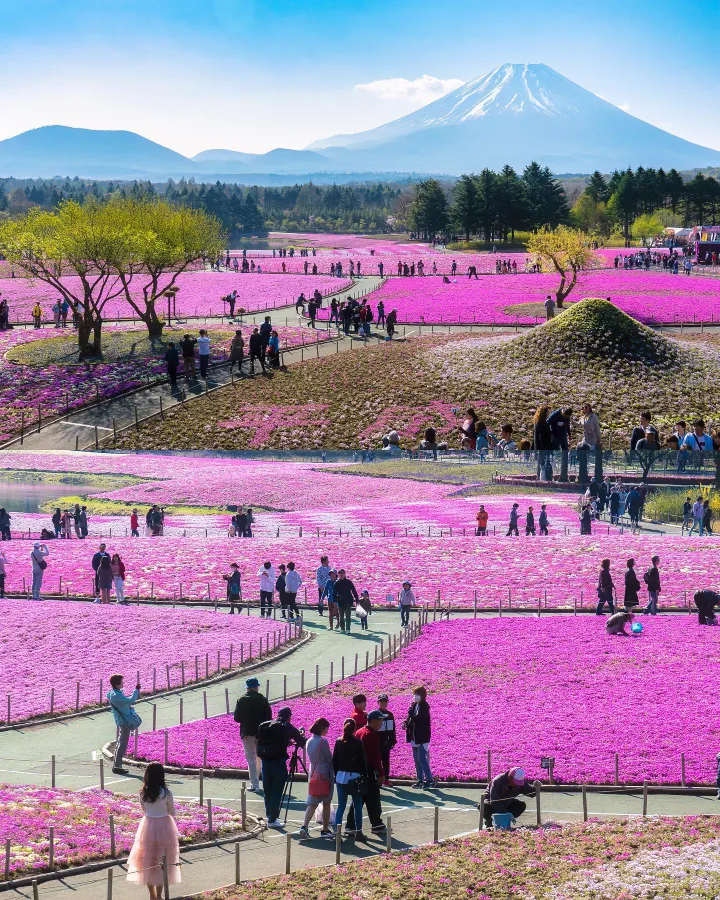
(516, 113)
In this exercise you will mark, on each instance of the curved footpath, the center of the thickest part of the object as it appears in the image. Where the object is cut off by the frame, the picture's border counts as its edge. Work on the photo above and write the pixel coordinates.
(25, 758)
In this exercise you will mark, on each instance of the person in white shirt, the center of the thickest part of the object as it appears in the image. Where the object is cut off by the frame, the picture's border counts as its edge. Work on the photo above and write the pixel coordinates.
(292, 586)
(37, 556)
(407, 601)
(267, 588)
(697, 512)
(697, 442)
(204, 352)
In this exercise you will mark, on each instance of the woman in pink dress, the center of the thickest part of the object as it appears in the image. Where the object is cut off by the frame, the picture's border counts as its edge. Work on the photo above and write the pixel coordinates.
(157, 836)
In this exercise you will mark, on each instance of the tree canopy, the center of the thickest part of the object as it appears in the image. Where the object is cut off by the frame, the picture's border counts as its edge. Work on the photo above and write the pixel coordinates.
(564, 251)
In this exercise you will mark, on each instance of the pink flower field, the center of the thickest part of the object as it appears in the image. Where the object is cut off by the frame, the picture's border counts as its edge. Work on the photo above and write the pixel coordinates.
(647, 296)
(85, 643)
(199, 295)
(525, 689)
(81, 823)
(559, 570)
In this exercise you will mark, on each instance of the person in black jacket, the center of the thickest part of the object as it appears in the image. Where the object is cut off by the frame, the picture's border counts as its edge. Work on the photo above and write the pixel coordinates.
(387, 736)
(632, 586)
(256, 351)
(605, 589)
(273, 739)
(706, 601)
(172, 358)
(502, 793)
(652, 580)
(351, 772)
(417, 730)
(542, 438)
(345, 594)
(280, 588)
(250, 711)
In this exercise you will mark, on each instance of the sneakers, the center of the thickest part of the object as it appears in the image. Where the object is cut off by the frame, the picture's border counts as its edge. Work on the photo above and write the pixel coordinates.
(418, 784)
(120, 772)
(387, 783)
(327, 834)
(275, 824)
(429, 785)
(379, 829)
(304, 834)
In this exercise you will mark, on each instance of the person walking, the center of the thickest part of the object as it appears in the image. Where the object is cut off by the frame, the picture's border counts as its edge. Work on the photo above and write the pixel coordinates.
(267, 586)
(697, 513)
(417, 731)
(529, 522)
(707, 517)
(387, 736)
(632, 586)
(237, 351)
(586, 519)
(5, 520)
(687, 515)
(542, 440)
(329, 597)
(293, 581)
(321, 576)
(513, 526)
(256, 351)
(233, 581)
(345, 594)
(543, 520)
(172, 360)
(156, 840)
(406, 601)
(351, 773)
(364, 609)
(652, 581)
(134, 523)
(38, 558)
(320, 779)
(605, 589)
(251, 710)
(117, 567)
(126, 719)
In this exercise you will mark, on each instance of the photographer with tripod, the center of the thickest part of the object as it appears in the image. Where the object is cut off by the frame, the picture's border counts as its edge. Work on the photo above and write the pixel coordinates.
(273, 739)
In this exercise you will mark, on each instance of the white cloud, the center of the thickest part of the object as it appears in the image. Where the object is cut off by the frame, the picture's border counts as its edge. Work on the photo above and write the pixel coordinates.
(624, 106)
(421, 90)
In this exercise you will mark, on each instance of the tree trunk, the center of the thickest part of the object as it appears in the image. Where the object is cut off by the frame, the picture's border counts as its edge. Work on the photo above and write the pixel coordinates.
(89, 336)
(153, 324)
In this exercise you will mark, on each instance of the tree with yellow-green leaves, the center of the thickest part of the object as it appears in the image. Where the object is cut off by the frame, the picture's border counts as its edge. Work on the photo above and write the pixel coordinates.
(112, 248)
(565, 251)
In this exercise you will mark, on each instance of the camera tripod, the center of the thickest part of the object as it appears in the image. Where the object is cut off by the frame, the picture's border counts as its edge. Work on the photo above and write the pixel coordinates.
(295, 761)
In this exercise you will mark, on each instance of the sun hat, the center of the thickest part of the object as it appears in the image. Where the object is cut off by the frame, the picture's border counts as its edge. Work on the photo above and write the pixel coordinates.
(252, 683)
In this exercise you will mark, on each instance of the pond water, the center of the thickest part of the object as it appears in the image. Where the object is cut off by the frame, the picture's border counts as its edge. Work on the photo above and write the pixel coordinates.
(28, 497)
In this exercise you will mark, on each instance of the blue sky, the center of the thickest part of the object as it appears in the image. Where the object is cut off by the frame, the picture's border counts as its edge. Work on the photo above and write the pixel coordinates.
(256, 74)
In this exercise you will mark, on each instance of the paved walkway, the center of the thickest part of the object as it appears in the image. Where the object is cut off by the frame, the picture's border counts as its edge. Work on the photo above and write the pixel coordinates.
(81, 429)
(25, 758)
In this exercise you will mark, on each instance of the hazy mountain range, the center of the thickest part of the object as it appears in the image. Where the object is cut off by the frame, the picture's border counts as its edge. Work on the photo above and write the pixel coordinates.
(514, 114)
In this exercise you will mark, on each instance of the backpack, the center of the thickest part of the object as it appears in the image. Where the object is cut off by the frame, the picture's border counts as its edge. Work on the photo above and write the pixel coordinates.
(271, 740)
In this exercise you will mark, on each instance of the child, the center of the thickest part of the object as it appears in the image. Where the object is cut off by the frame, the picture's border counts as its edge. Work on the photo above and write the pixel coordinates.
(543, 519)
(157, 836)
(364, 609)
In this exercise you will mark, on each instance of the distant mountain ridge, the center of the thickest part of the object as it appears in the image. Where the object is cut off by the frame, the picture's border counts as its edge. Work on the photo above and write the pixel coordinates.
(512, 115)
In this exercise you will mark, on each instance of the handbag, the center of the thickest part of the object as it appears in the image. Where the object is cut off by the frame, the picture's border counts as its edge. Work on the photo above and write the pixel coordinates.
(359, 787)
(319, 785)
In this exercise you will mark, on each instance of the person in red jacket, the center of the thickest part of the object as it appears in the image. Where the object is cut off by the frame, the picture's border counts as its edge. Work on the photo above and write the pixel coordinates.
(134, 524)
(368, 735)
(359, 716)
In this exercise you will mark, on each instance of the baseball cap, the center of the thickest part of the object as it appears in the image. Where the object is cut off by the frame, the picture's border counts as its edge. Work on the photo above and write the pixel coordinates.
(284, 713)
(252, 683)
(36, 545)
(376, 714)
(517, 775)
(408, 583)
(382, 697)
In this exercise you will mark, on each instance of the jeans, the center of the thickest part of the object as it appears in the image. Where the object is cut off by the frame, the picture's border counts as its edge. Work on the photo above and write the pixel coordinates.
(357, 803)
(204, 360)
(250, 747)
(321, 605)
(121, 745)
(345, 614)
(274, 776)
(37, 583)
(421, 757)
(404, 615)
(266, 602)
(652, 603)
(603, 598)
(697, 522)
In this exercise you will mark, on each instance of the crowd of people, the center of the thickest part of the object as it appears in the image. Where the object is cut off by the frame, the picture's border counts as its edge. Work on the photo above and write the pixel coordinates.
(108, 573)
